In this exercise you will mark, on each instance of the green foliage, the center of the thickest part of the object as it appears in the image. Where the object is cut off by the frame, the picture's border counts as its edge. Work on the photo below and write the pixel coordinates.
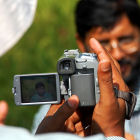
(37, 52)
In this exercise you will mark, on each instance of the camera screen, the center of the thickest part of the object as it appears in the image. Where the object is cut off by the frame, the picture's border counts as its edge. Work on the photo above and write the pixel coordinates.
(38, 88)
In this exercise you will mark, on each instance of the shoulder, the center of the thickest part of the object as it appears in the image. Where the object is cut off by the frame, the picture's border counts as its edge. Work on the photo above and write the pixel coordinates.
(16, 133)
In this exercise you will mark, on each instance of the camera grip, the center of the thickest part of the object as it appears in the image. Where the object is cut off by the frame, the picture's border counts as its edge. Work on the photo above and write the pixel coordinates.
(83, 86)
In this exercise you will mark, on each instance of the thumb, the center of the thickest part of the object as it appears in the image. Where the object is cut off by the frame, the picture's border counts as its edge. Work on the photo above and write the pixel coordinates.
(66, 110)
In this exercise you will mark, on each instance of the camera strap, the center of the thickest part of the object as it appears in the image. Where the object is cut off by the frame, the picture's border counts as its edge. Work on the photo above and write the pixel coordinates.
(130, 101)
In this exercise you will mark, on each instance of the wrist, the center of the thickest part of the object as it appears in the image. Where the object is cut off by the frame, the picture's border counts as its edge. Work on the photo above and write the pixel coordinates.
(114, 132)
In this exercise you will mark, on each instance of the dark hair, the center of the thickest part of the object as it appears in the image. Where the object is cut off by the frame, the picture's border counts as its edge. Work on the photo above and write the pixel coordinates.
(104, 13)
(39, 84)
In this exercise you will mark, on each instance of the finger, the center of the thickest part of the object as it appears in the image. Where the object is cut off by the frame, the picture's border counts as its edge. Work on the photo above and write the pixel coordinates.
(3, 111)
(76, 117)
(81, 134)
(98, 49)
(104, 69)
(84, 133)
(72, 121)
(105, 82)
(69, 126)
(115, 63)
(79, 127)
(66, 110)
(103, 55)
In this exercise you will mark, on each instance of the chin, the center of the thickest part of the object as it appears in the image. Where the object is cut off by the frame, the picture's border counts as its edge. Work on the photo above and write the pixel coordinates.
(131, 79)
(127, 79)
(127, 73)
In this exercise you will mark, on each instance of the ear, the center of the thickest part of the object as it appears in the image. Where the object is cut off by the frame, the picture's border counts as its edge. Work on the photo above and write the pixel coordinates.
(80, 43)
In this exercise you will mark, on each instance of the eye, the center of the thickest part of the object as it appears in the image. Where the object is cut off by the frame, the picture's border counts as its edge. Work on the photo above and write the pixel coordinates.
(104, 42)
(126, 39)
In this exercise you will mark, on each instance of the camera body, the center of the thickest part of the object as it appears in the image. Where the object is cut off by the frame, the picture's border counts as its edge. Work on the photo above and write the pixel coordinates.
(78, 74)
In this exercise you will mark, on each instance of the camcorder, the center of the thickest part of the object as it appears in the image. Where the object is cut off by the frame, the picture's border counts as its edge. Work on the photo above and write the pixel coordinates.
(76, 74)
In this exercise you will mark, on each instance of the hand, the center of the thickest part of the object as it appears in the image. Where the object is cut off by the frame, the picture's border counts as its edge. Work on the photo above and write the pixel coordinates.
(3, 111)
(109, 113)
(76, 123)
(108, 109)
(71, 122)
(79, 122)
(57, 115)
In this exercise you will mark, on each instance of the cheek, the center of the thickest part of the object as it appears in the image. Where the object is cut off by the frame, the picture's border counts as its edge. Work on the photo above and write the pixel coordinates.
(134, 53)
(133, 49)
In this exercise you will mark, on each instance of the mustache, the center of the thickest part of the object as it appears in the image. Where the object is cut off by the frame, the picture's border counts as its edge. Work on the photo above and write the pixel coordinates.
(124, 61)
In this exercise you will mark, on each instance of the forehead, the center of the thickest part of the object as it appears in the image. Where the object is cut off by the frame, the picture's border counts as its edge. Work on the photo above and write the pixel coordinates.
(121, 28)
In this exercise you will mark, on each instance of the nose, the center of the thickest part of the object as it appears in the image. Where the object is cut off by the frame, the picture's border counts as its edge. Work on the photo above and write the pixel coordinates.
(116, 52)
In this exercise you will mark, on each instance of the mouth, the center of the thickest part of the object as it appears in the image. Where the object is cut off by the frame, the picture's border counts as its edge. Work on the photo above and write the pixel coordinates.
(130, 69)
(126, 68)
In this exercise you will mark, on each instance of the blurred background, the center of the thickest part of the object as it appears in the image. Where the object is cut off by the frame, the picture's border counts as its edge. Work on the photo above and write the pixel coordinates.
(39, 49)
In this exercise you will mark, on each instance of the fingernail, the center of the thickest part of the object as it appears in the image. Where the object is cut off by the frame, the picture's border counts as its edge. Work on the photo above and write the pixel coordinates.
(94, 41)
(71, 104)
(105, 66)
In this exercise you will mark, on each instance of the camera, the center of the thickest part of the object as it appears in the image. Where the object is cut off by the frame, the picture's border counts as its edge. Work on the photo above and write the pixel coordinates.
(76, 74)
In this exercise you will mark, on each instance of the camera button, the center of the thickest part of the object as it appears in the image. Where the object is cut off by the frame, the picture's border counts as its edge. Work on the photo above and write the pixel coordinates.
(80, 60)
(13, 90)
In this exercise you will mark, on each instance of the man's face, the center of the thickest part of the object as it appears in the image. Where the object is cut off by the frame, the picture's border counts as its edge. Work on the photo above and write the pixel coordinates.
(41, 90)
(122, 42)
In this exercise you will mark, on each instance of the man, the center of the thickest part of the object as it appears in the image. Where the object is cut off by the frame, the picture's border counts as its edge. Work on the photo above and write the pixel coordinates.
(116, 25)
(41, 95)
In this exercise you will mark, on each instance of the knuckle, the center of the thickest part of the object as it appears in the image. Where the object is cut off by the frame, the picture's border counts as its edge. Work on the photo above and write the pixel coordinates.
(107, 81)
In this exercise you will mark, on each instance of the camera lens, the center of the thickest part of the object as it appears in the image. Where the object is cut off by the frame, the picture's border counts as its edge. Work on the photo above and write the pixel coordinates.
(66, 66)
